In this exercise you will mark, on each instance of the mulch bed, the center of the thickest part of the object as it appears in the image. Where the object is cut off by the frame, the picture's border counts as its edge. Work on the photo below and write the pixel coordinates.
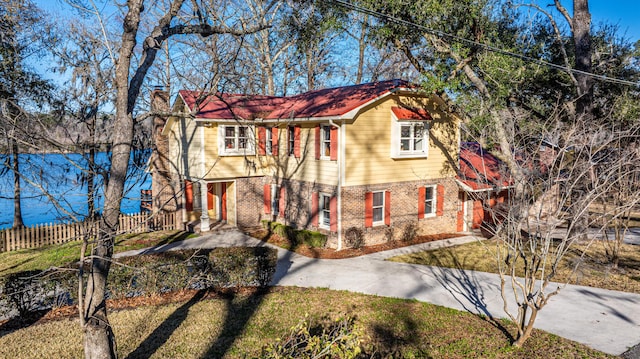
(326, 253)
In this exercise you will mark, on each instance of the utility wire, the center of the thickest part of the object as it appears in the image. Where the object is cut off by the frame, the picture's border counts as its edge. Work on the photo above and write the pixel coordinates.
(484, 46)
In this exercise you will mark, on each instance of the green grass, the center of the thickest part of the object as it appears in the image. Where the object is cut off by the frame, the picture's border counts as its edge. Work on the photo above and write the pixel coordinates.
(593, 268)
(62, 254)
(239, 326)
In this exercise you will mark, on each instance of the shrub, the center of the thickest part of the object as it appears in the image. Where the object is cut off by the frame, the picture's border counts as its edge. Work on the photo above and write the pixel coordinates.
(29, 291)
(388, 234)
(25, 292)
(329, 339)
(297, 237)
(409, 233)
(354, 237)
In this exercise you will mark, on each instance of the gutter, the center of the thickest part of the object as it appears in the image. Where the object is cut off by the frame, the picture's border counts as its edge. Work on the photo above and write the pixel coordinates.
(340, 172)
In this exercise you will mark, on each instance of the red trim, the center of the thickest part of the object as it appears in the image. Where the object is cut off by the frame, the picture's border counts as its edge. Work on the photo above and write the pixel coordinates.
(333, 213)
(224, 202)
(314, 209)
(318, 140)
(440, 200)
(333, 136)
(262, 145)
(267, 198)
(210, 198)
(282, 202)
(296, 141)
(188, 196)
(422, 196)
(387, 208)
(368, 209)
(274, 141)
(460, 218)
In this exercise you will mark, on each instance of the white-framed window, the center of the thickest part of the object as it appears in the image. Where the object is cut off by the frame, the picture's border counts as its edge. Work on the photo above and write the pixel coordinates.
(378, 208)
(236, 140)
(325, 142)
(291, 137)
(324, 210)
(430, 201)
(409, 139)
(268, 138)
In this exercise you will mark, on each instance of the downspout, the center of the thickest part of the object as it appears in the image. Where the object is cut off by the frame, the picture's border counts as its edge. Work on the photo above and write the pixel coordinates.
(340, 171)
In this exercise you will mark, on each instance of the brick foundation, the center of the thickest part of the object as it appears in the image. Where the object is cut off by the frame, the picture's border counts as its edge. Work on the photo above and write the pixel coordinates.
(404, 209)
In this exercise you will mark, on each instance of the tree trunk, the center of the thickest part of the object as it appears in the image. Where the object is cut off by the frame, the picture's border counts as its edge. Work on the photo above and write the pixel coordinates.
(15, 167)
(582, 43)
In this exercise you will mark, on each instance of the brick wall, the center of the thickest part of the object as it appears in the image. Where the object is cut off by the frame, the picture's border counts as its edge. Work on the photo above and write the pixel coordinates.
(249, 201)
(404, 210)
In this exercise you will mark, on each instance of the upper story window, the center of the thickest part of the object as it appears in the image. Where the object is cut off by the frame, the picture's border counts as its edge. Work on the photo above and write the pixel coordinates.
(293, 141)
(269, 141)
(409, 134)
(236, 140)
(325, 144)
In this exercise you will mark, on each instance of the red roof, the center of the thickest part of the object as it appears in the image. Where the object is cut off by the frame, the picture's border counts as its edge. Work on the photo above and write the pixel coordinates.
(403, 113)
(333, 102)
(479, 169)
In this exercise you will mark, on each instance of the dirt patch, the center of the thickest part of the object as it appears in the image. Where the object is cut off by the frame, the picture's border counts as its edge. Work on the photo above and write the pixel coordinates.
(326, 253)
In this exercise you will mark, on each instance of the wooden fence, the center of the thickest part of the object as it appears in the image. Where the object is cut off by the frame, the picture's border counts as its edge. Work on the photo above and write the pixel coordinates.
(46, 234)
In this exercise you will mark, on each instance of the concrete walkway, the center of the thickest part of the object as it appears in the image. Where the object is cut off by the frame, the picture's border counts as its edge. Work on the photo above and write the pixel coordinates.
(605, 320)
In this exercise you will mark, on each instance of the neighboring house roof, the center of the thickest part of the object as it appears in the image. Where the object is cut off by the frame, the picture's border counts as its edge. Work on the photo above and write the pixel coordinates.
(339, 102)
(480, 170)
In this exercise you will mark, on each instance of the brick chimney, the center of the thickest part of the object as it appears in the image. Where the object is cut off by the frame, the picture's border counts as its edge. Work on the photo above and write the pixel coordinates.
(164, 187)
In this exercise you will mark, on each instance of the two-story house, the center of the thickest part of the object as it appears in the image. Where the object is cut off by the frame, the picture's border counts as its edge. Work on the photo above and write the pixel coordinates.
(381, 157)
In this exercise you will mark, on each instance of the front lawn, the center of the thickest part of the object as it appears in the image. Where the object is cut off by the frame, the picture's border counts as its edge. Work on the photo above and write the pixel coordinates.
(240, 324)
(592, 270)
(59, 255)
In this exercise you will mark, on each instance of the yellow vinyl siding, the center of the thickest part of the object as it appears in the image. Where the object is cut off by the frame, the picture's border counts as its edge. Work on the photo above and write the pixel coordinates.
(368, 146)
(307, 168)
(184, 147)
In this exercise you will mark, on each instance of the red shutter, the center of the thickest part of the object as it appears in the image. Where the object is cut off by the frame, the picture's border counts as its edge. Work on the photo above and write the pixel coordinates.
(422, 196)
(314, 209)
(318, 139)
(267, 198)
(296, 141)
(368, 209)
(333, 214)
(334, 143)
(387, 208)
(274, 141)
(188, 194)
(282, 203)
(440, 201)
(224, 201)
(210, 191)
(262, 133)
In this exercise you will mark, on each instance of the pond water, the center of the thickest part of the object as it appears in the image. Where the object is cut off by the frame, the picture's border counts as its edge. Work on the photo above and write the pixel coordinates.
(54, 186)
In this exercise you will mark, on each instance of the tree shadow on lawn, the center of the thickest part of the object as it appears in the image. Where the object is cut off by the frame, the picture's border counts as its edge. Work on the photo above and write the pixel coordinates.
(162, 333)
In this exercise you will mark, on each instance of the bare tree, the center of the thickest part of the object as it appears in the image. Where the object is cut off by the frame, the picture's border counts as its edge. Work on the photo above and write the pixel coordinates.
(179, 18)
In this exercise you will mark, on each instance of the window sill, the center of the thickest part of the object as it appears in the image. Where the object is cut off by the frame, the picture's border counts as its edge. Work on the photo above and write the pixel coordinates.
(236, 153)
(429, 215)
(401, 156)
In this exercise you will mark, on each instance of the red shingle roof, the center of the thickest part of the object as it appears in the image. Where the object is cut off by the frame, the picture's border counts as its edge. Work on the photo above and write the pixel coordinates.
(480, 170)
(417, 114)
(333, 102)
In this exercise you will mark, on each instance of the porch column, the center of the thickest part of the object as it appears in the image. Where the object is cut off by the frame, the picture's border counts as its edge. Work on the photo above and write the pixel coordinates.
(205, 224)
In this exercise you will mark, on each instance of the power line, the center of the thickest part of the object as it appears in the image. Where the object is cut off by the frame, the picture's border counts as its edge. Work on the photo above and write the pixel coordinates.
(481, 45)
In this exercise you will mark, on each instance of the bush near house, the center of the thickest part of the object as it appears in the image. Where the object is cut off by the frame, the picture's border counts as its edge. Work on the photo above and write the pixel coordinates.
(143, 275)
(296, 237)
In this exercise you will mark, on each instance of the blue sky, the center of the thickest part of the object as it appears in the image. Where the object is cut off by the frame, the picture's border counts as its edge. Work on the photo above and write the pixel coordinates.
(625, 13)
